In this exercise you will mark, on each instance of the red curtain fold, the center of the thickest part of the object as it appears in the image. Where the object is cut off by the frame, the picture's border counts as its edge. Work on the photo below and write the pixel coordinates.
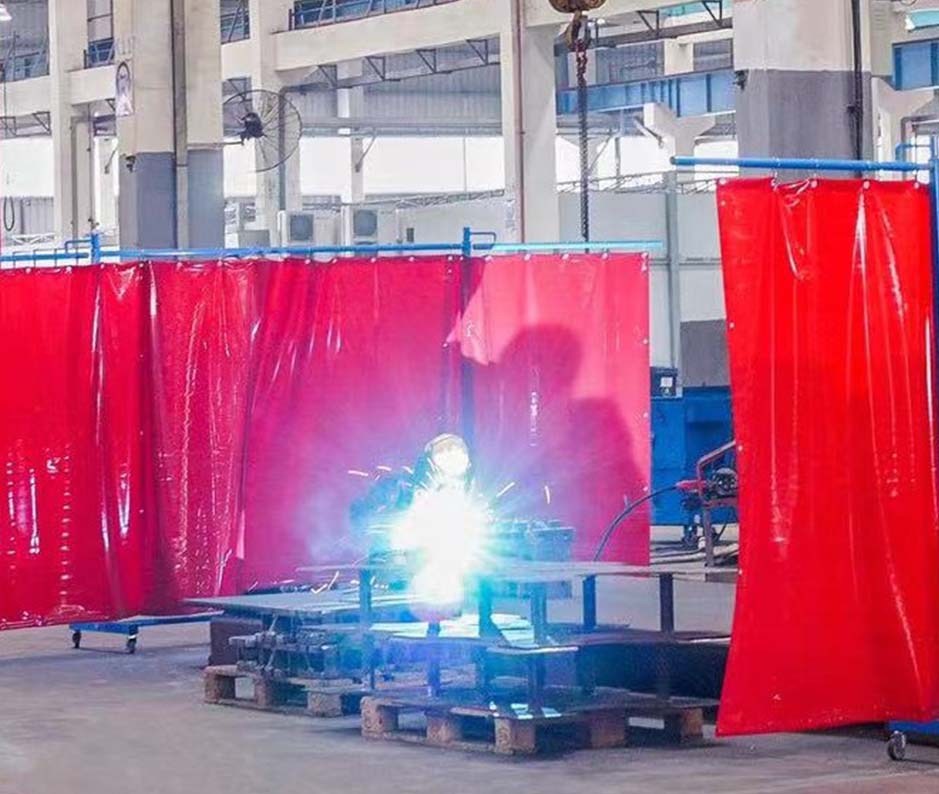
(123, 431)
(172, 430)
(830, 306)
(202, 324)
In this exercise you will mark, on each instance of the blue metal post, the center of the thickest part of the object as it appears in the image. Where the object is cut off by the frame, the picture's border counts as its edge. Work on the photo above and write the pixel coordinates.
(95, 247)
(467, 242)
(934, 193)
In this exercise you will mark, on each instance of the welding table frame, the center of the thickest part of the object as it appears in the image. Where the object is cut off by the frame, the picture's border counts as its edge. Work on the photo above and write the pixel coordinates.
(130, 628)
(546, 640)
(343, 612)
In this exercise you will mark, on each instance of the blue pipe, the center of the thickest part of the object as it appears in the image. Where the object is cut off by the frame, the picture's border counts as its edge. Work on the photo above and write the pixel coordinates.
(795, 164)
(240, 253)
(598, 245)
(467, 247)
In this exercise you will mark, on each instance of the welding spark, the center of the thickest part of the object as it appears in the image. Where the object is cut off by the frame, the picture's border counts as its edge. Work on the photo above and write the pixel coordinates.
(447, 531)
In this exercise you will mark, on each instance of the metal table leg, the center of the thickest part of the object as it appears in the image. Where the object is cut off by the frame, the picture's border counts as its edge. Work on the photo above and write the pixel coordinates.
(663, 676)
(365, 623)
(365, 596)
(667, 603)
(590, 603)
(539, 612)
(537, 675)
(433, 662)
(487, 627)
(586, 671)
(708, 526)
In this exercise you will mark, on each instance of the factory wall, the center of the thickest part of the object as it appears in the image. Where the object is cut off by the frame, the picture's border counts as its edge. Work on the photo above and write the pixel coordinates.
(615, 216)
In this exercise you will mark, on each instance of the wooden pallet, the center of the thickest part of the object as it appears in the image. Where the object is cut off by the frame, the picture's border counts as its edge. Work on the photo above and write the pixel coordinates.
(308, 697)
(300, 696)
(459, 721)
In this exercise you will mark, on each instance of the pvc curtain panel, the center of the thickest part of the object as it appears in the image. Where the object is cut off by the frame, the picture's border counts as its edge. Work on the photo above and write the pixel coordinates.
(171, 430)
(558, 350)
(830, 309)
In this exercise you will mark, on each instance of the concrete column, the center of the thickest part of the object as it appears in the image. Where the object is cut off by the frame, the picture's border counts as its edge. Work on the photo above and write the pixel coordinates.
(170, 147)
(205, 159)
(679, 56)
(676, 135)
(71, 137)
(146, 139)
(278, 189)
(795, 64)
(350, 104)
(893, 108)
(106, 168)
(529, 129)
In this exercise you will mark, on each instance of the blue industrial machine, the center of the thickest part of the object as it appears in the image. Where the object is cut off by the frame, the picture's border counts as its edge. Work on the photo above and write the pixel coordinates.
(684, 430)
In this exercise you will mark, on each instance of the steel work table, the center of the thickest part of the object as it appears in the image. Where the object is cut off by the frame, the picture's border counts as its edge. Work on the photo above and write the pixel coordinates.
(536, 640)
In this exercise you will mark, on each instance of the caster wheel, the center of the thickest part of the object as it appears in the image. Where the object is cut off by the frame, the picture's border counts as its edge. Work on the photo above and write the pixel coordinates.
(77, 639)
(132, 645)
(896, 746)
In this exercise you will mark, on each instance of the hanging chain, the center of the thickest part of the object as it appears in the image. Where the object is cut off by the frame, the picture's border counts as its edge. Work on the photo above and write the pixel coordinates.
(578, 39)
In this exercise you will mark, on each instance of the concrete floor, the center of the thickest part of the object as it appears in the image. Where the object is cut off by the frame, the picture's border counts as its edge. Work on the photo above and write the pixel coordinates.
(99, 721)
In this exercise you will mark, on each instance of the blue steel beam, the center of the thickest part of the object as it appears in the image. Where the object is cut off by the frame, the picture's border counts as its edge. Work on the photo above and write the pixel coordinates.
(695, 94)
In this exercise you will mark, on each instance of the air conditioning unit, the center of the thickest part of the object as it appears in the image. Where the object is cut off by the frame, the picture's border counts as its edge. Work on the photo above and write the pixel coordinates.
(248, 238)
(361, 226)
(296, 228)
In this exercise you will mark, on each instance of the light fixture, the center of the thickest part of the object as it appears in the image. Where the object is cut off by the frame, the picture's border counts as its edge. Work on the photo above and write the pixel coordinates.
(5, 13)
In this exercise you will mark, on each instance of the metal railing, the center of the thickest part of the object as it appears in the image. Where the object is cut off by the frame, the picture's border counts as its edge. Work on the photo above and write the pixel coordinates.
(654, 182)
(313, 13)
(236, 25)
(24, 65)
(99, 53)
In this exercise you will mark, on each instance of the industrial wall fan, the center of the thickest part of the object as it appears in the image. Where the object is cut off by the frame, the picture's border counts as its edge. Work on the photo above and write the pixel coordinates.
(269, 120)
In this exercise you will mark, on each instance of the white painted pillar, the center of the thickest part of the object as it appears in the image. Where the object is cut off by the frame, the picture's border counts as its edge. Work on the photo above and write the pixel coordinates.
(71, 142)
(677, 135)
(679, 56)
(350, 104)
(106, 162)
(279, 188)
(529, 129)
(205, 165)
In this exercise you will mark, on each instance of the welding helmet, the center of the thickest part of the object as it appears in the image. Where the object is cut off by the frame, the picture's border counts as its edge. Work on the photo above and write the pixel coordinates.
(448, 459)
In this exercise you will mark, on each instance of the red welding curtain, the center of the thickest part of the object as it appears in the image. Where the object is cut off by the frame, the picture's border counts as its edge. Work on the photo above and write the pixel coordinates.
(170, 430)
(122, 427)
(560, 353)
(830, 306)
(353, 371)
